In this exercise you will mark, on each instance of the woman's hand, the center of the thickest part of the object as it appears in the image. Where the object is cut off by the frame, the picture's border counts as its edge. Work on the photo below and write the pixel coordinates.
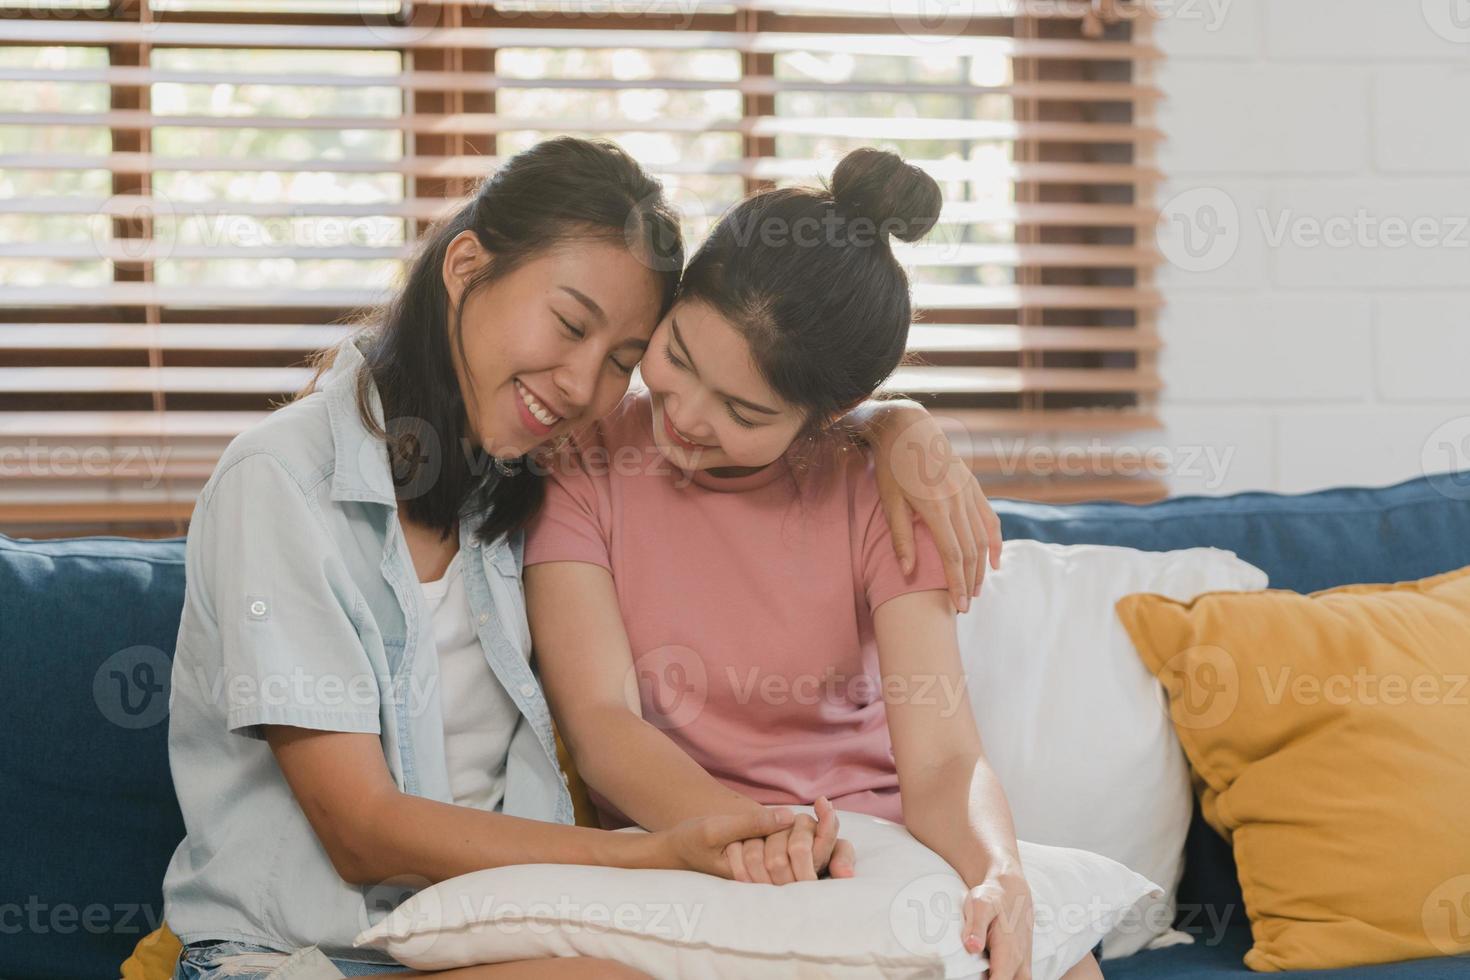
(998, 920)
(700, 844)
(801, 853)
(919, 472)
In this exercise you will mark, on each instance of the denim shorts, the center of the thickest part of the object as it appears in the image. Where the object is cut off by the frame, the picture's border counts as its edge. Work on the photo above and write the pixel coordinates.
(215, 960)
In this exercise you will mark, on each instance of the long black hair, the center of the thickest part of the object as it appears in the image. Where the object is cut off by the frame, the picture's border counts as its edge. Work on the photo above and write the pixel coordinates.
(808, 277)
(559, 189)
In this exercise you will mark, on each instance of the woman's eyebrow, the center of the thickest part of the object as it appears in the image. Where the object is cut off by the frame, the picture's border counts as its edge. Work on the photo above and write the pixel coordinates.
(586, 301)
(753, 406)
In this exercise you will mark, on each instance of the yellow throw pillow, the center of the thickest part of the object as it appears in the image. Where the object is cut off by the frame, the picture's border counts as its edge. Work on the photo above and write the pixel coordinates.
(1329, 736)
(154, 957)
(582, 806)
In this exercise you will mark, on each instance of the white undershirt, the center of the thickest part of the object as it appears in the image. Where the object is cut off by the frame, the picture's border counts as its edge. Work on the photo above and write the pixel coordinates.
(479, 717)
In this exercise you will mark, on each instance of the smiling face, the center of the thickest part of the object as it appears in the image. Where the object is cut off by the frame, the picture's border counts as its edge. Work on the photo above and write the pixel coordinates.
(712, 409)
(551, 345)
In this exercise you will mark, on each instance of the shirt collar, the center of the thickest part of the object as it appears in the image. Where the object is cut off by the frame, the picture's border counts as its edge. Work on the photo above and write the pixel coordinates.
(361, 469)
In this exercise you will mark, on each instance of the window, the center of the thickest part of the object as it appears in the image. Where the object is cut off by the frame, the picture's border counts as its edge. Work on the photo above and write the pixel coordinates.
(196, 194)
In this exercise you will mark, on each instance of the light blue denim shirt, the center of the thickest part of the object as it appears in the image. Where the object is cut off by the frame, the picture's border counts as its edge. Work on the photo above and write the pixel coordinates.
(302, 608)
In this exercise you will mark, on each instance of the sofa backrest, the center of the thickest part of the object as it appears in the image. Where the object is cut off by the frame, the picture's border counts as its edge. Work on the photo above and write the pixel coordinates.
(1304, 542)
(87, 631)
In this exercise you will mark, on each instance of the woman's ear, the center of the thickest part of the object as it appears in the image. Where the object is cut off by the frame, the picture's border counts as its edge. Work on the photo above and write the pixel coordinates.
(462, 258)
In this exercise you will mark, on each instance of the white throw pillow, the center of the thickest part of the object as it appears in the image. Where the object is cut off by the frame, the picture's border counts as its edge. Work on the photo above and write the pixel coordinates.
(899, 917)
(1074, 725)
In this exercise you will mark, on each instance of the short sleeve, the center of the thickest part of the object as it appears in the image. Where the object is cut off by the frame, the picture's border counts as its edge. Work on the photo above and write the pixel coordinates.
(284, 603)
(571, 524)
(883, 576)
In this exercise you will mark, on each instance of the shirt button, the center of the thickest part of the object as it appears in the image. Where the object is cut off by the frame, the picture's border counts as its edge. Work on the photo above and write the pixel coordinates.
(528, 689)
(475, 543)
(484, 618)
(257, 608)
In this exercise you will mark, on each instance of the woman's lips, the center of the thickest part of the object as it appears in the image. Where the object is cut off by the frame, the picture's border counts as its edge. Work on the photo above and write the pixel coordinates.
(533, 425)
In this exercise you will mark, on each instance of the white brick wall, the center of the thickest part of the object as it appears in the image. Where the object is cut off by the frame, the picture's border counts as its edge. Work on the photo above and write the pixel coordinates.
(1317, 326)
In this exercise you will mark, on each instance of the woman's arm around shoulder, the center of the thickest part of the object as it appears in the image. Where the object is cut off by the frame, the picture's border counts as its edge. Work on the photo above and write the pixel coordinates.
(920, 473)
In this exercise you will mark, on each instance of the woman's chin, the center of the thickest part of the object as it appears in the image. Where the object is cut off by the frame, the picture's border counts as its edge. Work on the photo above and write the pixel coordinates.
(505, 452)
(669, 454)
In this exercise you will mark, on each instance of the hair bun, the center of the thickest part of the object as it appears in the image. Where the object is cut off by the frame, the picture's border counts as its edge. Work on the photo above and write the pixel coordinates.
(899, 197)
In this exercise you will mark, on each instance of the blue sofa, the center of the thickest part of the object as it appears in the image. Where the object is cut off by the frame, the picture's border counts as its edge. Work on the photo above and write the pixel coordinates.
(87, 629)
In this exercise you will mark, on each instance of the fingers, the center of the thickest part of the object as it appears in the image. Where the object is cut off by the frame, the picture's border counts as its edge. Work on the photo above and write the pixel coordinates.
(844, 860)
(983, 540)
(901, 526)
(735, 857)
(977, 927)
(778, 865)
(994, 537)
(755, 860)
(725, 828)
(799, 847)
(972, 542)
(1005, 953)
(951, 553)
(826, 834)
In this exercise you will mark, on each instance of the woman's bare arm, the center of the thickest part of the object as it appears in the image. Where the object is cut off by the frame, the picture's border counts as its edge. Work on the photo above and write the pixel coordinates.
(373, 832)
(588, 671)
(952, 800)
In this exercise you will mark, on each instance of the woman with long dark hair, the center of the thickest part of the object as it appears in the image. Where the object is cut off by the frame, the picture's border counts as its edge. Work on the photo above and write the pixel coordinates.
(354, 710)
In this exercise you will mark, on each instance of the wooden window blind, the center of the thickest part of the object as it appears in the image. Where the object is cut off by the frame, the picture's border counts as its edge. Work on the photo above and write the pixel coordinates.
(196, 194)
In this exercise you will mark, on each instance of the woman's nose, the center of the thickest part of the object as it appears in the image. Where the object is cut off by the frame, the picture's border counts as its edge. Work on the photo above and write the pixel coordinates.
(577, 378)
(687, 417)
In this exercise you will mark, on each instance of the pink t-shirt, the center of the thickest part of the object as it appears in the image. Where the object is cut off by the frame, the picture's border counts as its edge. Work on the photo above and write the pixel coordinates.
(748, 606)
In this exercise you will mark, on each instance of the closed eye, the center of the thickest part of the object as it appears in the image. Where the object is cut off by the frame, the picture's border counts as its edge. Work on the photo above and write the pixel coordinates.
(744, 422)
(729, 407)
(574, 331)
(626, 369)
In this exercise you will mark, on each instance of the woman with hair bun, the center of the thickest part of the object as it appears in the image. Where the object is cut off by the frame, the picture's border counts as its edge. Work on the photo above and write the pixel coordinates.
(783, 653)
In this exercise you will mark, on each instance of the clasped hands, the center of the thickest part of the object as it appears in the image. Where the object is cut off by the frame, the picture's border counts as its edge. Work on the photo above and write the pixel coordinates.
(805, 851)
